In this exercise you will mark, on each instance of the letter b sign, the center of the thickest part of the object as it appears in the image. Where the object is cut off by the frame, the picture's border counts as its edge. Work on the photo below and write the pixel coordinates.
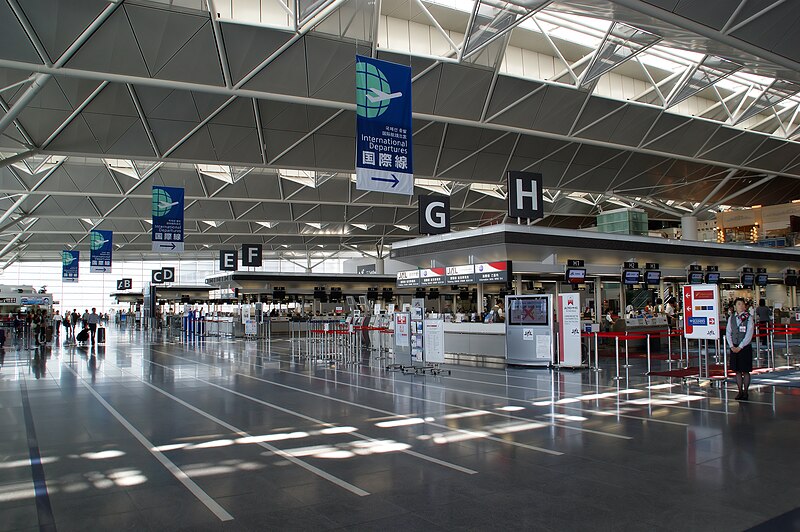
(434, 215)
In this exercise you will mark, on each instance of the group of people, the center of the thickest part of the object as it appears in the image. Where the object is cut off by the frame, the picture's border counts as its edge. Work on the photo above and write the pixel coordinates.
(70, 321)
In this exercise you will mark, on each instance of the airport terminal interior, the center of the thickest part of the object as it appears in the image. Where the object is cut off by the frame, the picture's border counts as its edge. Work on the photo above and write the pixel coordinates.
(399, 265)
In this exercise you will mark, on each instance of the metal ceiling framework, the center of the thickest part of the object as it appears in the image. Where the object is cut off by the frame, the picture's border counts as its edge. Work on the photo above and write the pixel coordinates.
(102, 100)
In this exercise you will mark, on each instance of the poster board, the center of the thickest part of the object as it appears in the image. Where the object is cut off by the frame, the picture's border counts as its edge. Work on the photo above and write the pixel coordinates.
(433, 342)
(701, 311)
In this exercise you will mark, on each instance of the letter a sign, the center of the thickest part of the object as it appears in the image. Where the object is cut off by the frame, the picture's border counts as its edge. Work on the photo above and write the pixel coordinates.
(525, 195)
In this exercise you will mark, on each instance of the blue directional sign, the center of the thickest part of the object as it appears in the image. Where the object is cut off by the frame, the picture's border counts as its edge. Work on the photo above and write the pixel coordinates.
(100, 243)
(383, 127)
(167, 219)
(69, 266)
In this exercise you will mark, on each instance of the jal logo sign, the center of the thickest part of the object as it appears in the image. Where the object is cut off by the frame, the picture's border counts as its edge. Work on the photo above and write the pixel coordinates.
(164, 275)
(525, 195)
(434, 215)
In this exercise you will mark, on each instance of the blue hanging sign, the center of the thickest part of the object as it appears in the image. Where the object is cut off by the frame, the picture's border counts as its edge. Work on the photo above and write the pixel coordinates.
(383, 127)
(167, 219)
(69, 266)
(100, 243)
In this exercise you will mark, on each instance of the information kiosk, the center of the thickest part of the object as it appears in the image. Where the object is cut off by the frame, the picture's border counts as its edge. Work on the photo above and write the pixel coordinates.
(529, 330)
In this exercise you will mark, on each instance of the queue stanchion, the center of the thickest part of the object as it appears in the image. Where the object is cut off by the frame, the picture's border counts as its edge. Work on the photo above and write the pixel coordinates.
(648, 354)
(627, 362)
(596, 353)
(616, 342)
(786, 330)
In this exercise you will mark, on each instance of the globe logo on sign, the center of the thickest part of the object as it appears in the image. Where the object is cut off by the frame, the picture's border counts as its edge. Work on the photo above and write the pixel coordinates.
(373, 93)
(162, 202)
(67, 259)
(96, 240)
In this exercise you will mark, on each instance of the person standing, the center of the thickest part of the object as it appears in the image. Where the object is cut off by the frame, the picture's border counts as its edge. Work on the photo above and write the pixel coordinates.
(57, 324)
(74, 321)
(739, 334)
(92, 320)
(85, 319)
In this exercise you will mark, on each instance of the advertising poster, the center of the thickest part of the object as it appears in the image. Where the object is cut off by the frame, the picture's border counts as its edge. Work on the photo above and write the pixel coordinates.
(100, 243)
(383, 127)
(167, 230)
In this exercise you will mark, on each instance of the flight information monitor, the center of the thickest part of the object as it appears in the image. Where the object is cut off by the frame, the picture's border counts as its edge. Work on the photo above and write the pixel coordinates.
(652, 276)
(631, 277)
(575, 275)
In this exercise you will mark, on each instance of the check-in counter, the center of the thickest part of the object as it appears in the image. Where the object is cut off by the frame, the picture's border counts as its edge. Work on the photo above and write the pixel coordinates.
(465, 341)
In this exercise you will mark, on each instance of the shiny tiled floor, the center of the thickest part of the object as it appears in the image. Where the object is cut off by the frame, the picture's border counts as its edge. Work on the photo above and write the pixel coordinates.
(151, 434)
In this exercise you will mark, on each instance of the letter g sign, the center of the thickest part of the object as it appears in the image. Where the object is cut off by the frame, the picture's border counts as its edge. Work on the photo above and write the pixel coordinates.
(434, 214)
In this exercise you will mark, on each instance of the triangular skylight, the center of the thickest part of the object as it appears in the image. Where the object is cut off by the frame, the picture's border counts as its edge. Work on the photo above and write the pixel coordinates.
(123, 166)
(434, 185)
(622, 42)
(306, 178)
(268, 225)
(488, 189)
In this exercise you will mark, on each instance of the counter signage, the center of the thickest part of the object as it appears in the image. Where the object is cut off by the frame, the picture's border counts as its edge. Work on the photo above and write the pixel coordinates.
(100, 243)
(701, 311)
(408, 278)
(432, 276)
(492, 272)
(34, 300)
(167, 230)
(569, 329)
(8, 300)
(460, 274)
(69, 266)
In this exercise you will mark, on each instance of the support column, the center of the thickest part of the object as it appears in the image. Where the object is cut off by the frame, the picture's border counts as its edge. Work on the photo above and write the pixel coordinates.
(518, 284)
(379, 266)
(689, 227)
(480, 302)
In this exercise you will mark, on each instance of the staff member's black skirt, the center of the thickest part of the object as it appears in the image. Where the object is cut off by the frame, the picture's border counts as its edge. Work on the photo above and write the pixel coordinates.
(743, 360)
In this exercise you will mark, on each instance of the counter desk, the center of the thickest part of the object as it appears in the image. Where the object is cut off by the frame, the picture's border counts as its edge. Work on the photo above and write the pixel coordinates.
(477, 342)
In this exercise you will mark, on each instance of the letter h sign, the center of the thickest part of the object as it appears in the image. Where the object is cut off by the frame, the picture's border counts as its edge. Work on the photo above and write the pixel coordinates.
(525, 195)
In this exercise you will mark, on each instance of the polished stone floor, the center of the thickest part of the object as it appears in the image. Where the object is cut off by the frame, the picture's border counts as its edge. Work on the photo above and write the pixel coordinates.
(151, 433)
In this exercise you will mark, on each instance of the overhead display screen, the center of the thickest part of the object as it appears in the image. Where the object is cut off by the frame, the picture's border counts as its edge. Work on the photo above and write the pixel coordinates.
(696, 278)
(528, 311)
(652, 276)
(748, 279)
(631, 277)
(712, 277)
(761, 279)
(575, 275)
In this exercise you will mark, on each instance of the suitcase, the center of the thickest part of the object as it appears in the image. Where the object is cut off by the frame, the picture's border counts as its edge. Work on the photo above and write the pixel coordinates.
(101, 335)
(83, 336)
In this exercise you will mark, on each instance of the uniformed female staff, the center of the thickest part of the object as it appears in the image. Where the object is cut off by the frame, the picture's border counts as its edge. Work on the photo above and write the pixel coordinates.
(739, 334)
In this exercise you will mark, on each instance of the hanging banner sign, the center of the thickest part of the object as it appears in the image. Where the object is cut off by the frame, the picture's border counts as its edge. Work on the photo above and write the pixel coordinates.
(100, 243)
(69, 266)
(167, 219)
(383, 127)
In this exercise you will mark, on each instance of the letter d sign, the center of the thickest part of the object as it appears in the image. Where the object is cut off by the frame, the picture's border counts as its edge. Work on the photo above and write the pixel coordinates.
(434, 214)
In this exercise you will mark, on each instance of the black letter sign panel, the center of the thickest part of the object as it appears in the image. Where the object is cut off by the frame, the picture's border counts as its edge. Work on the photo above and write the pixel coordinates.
(525, 195)
(434, 214)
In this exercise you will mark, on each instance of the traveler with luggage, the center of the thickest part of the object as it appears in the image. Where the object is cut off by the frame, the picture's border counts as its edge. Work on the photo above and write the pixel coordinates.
(92, 320)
